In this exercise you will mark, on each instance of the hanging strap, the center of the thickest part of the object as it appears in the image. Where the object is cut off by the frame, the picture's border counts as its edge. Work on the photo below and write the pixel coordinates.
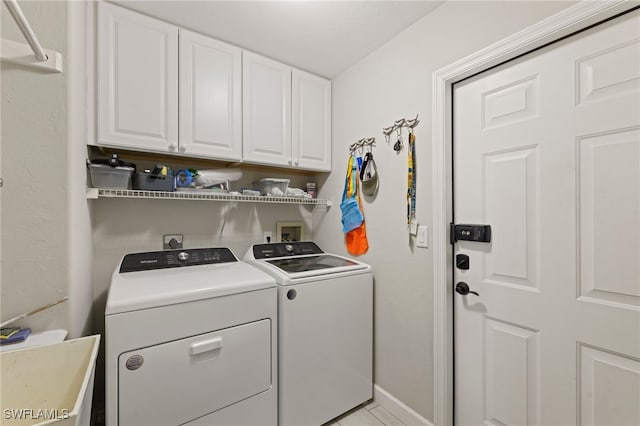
(367, 158)
(350, 186)
(411, 179)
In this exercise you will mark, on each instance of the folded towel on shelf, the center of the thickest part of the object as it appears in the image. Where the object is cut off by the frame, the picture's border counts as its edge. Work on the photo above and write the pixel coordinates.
(297, 192)
(213, 177)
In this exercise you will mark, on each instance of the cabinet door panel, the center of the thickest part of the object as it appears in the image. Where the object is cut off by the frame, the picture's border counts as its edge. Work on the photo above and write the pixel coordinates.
(311, 109)
(266, 111)
(137, 80)
(210, 97)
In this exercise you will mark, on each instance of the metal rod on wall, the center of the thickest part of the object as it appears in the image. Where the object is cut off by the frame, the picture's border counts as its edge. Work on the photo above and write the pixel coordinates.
(25, 28)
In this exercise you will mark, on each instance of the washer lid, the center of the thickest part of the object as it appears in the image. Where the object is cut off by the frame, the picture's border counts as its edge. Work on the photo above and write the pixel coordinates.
(145, 289)
(319, 262)
(298, 262)
(298, 269)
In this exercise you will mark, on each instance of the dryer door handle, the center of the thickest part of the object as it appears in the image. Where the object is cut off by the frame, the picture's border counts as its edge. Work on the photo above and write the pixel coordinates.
(205, 346)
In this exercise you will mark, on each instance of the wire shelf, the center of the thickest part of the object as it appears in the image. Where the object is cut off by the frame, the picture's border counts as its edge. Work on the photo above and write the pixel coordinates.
(94, 193)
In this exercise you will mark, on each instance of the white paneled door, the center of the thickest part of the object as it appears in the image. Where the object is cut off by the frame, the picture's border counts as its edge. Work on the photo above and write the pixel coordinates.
(547, 151)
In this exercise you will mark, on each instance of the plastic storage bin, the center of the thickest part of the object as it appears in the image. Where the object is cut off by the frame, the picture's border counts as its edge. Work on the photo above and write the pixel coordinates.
(105, 176)
(150, 182)
(273, 186)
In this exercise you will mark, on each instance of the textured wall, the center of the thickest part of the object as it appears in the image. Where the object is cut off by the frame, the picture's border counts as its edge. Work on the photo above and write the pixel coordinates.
(34, 164)
(395, 82)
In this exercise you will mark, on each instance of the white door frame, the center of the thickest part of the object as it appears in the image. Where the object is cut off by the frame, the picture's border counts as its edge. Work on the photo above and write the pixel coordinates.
(564, 23)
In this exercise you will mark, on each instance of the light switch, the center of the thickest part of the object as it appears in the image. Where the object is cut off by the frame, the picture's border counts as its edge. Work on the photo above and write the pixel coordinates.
(423, 237)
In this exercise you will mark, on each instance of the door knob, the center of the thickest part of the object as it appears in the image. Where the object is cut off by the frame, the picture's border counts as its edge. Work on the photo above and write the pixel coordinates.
(463, 289)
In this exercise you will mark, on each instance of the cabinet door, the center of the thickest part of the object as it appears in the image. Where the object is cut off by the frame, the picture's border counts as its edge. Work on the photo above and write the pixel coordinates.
(210, 97)
(266, 110)
(137, 80)
(311, 116)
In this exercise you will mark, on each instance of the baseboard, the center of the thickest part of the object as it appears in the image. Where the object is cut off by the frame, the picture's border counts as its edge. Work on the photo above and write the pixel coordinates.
(404, 413)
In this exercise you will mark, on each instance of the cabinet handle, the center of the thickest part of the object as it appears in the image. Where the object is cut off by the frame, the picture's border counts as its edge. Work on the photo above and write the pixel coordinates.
(289, 161)
(205, 346)
(295, 162)
(172, 147)
(183, 147)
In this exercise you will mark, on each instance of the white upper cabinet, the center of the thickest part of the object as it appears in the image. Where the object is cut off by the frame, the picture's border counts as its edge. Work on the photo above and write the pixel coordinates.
(166, 89)
(210, 97)
(143, 104)
(286, 115)
(266, 106)
(311, 119)
(137, 80)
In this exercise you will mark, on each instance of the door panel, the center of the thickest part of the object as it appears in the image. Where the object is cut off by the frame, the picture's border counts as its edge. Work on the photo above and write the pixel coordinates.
(266, 106)
(512, 368)
(510, 184)
(547, 151)
(137, 80)
(610, 161)
(608, 73)
(311, 121)
(609, 388)
(510, 103)
(210, 97)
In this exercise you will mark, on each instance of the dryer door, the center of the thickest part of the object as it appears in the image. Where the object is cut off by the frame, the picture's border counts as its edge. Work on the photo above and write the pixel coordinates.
(175, 382)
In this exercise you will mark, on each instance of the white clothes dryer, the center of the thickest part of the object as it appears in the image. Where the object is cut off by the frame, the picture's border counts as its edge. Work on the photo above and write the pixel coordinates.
(190, 339)
(325, 331)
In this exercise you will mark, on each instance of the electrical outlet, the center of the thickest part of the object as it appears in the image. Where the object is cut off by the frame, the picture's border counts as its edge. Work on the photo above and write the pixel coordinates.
(268, 237)
(172, 241)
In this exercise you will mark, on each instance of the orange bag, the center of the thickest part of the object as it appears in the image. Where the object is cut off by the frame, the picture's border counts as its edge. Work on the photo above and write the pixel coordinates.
(356, 239)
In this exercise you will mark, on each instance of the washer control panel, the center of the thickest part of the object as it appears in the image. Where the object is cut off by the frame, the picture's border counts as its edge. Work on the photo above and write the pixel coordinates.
(175, 259)
(297, 248)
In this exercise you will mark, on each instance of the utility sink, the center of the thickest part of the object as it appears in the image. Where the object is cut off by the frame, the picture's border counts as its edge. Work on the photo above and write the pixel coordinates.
(49, 385)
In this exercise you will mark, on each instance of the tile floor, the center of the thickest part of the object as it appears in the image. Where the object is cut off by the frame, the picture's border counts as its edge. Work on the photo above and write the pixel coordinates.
(370, 414)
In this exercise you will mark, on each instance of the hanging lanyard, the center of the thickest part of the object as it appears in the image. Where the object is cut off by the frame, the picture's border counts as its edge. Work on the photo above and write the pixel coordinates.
(411, 180)
(350, 184)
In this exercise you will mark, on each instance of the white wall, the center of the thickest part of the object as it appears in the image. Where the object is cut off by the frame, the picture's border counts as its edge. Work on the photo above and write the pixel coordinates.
(79, 247)
(34, 164)
(395, 82)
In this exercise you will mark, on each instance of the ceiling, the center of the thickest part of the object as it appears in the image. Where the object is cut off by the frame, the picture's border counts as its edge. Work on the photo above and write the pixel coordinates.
(322, 37)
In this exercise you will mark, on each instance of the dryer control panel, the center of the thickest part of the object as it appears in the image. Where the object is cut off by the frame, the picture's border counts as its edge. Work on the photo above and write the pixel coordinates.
(265, 251)
(175, 259)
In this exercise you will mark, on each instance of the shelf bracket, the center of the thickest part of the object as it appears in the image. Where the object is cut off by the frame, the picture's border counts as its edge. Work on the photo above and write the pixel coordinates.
(21, 54)
(31, 54)
(92, 193)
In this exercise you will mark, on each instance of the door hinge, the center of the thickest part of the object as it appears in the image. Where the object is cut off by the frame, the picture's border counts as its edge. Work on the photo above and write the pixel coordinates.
(466, 232)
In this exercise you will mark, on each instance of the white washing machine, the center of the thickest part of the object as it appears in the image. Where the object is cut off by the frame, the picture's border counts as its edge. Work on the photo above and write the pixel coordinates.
(190, 340)
(325, 331)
